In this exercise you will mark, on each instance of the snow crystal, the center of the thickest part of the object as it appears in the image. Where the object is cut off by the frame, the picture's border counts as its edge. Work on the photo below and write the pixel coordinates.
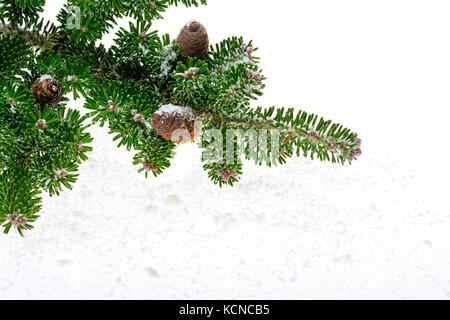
(170, 108)
(45, 77)
(191, 22)
(143, 49)
(168, 56)
(148, 125)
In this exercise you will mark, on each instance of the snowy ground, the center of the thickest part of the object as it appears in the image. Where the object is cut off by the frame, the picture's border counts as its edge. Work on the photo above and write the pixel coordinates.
(377, 229)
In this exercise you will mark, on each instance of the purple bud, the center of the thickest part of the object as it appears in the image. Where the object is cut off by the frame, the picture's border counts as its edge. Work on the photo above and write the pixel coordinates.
(22, 221)
(188, 74)
(279, 154)
(253, 75)
(112, 106)
(332, 146)
(226, 175)
(62, 173)
(351, 157)
(139, 118)
(149, 167)
(220, 172)
(41, 124)
(79, 146)
(10, 217)
(312, 134)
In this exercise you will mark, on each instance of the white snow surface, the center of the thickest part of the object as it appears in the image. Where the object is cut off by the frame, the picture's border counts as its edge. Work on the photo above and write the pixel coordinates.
(45, 77)
(376, 229)
(188, 24)
(171, 108)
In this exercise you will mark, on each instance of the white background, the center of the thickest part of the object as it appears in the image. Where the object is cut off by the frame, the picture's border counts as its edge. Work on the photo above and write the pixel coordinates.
(376, 229)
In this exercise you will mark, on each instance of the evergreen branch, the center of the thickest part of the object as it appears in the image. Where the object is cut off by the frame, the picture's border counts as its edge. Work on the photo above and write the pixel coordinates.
(19, 12)
(144, 10)
(14, 57)
(19, 199)
(221, 154)
(10, 29)
(306, 133)
(127, 110)
(145, 88)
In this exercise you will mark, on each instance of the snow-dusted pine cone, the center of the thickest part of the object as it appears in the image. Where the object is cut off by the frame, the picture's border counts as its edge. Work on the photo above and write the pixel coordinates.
(193, 40)
(47, 90)
(176, 124)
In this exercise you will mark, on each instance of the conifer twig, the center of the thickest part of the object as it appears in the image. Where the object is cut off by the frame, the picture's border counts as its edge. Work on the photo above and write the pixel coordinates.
(33, 38)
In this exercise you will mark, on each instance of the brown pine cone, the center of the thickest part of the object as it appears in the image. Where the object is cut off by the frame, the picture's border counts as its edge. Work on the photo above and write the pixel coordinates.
(193, 40)
(176, 124)
(47, 90)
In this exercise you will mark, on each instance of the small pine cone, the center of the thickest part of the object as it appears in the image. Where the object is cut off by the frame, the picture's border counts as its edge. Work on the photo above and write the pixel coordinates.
(47, 90)
(193, 40)
(176, 124)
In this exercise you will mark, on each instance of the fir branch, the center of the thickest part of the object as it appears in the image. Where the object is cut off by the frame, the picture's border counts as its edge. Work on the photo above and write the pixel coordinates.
(125, 87)
(309, 135)
(127, 109)
(19, 199)
(20, 12)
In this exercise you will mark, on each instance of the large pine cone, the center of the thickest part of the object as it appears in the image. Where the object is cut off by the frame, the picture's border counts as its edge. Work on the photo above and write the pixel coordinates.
(47, 90)
(176, 124)
(193, 40)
